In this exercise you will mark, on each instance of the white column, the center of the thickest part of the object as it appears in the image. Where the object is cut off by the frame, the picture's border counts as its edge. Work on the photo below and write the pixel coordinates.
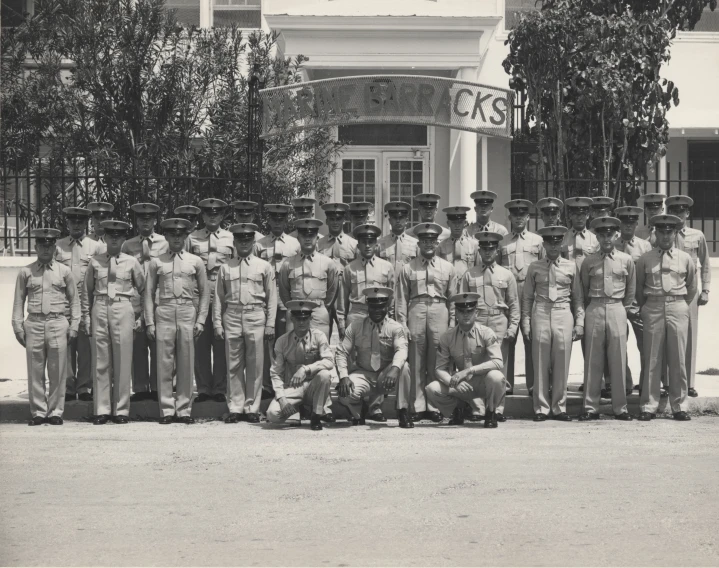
(205, 13)
(662, 174)
(485, 164)
(463, 157)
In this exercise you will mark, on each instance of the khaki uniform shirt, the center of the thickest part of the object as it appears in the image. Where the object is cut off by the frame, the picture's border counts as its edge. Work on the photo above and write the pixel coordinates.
(276, 250)
(358, 275)
(423, 278)
(634, 247)
(518, 250)
(497, 290)
(579, 244)
(646, 233)
(76, 255)
(398, 250)
(478, 349)
(291, 353)
(363, 339)
(492, 227)
(213, 248)
(162, 273)
(609, 276)
(156, 245)
(54, 283)
(694, 243)
(568, 285)
(342, 248)
(311, 277)
(101, 244)
(245, 282)
(461, 252)
(666, 273)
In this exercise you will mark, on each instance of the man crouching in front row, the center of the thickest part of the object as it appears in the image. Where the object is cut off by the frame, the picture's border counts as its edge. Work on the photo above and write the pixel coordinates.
(300, 372)
(475, 352)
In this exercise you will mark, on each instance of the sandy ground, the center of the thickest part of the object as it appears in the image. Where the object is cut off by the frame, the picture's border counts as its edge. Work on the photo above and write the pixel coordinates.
(605, 493)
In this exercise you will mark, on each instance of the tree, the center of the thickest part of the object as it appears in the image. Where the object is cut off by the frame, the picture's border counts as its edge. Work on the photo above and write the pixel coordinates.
(591, 71)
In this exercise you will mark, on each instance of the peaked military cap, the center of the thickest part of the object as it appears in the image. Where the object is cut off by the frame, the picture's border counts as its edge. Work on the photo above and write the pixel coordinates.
(45, 233)
(360, 207)
(244, 205)
(303, 203)
(115, 225)
(366, 231)
(518, 204)
(681, 200)
(579, 202)
(243, 229)
(100, 207)
(554, 233)
(145, 208)
(335, 208)
(187, 210)
(76, 212)
(457, 211)
(176, 223)
(301, 307)
(549, 203)
(212, 203)
(604, 223)
(427, 198)
(483, 196)
(378, 294)
(308, 224)
(277, 209)
(628, 211)
(465, 298)
(602, 202)
(397, 206)
(428, 230)
(653, 198)
(665, 221)
(488, 237)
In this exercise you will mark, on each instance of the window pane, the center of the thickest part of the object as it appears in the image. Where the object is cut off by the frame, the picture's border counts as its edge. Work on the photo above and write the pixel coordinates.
(12, 13)
(187, 12)
(243, 18)
(382, 135)
(703, 185)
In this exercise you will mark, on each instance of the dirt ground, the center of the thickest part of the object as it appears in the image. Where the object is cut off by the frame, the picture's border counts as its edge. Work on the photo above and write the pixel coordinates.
(605, 493)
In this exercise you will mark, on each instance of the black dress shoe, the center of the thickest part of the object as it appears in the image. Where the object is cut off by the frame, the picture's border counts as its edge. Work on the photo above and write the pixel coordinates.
(474, 417)
(70, 397)
(562, 417)
(357, 421)
(167, 420)
(101, 419)
(693, 393)
(36, 421)
(416, 416)
(85, 397)
(500, 417)
(457, 417)
(186, 420)
(434, 416)
(120, 419)
(316, 422)
(405, 418)
(55, 421)
(581, 388)
(140, 396)
(490, 420)
(586, 416)
(219, 397)
(329, 418)
(682, 416)
(377, 417)
(606, 393)
(232, 418)
(202, 397)
(252, 417)
(539, 417)
(152, 395)
(646, 416)
(625, 416)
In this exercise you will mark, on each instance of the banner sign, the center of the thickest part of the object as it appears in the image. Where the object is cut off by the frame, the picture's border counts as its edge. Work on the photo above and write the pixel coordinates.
(385, 99)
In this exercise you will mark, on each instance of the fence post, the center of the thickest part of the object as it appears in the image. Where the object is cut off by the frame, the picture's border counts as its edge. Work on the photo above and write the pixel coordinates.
(254, 142)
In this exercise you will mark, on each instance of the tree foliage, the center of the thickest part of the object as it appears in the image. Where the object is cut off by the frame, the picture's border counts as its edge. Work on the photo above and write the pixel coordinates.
(597, 102)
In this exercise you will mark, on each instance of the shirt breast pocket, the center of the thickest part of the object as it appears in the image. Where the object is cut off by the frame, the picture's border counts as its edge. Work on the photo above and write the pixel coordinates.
(256, 284)
(101, 275)
(188, 269)
(34, 284)
(418, 282)
(654, 275)
(619, 274)
(563, 279)
(63, 257)
(197, 249)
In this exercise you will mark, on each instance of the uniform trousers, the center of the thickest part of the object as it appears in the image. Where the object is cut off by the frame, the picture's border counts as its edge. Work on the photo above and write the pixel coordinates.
(496, 320)
(693, 337)
(666, 327)
(489, 386)
(509, 361)
(358, 312)
(174, 327)
(210, 362)
(144, 376)
(269, 347)
(112, 342)
(245, 351)
(312, 393)
(605, 349)
(427, 320)
(79, 365)
(638, 329)
(551, 327)
(366, 386)
(46, 346)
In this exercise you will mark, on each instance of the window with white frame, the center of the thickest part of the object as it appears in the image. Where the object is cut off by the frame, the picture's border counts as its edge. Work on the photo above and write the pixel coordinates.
(244, 13)
(187, 12)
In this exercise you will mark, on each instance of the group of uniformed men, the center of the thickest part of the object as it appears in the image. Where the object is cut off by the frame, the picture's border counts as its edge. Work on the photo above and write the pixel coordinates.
(430, 313)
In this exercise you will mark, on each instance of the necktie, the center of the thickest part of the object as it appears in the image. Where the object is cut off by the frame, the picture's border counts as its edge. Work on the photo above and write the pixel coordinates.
(76, 246)
(466, 351)
(301, 347)
(111, 275)
(46, 289)
(375, 358)
(489, 298)
(457, 249)
(306, 276)
(176, 276)
(211, 248)
(336, 242)
(608, 283)
(666, 273)
(519, 254)
(146, 249)
(430, 280)
(552, 288)
(244, 291)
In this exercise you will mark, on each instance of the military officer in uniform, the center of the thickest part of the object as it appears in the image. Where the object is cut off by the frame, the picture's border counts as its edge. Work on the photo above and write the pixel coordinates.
(551, 210)
(243, 314)
(635, 247)
(694, 243)
(427, 204)
(75, 252)
(367, 271)
(303, 208)
(192, 214)
(469, 364)
(378, 347)
(653, 205)
(460, 248)
(245, 212)
(608, 287)
(47, 286)
(497, 301)
(175, 321)
(301, 368)
(112, 280)
(144, 247)
(551, 287)
(483, 207)
(666, 286)
(578, 240)
(601, 207)
(423, 289)
(399, 247)
(517, 251)
(100, 211)
(359, 213)
(215, 246)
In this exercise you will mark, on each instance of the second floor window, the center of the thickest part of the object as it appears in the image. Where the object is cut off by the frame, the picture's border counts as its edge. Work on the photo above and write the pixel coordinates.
(244, 13)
